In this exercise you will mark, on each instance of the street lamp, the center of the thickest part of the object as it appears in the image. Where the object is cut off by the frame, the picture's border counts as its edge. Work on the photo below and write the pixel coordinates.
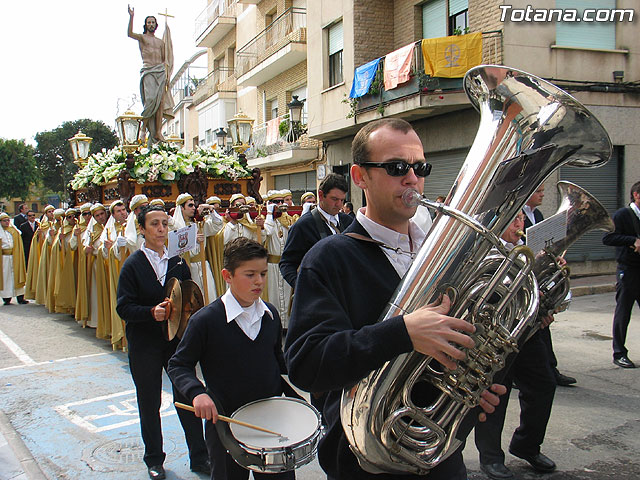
(129, 125)
(221, 136)
(240, 127)
(80, 148)
(295, 117)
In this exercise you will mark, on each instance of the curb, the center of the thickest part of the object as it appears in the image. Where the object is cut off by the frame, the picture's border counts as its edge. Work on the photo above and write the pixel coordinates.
(592, 289)
(18, 450)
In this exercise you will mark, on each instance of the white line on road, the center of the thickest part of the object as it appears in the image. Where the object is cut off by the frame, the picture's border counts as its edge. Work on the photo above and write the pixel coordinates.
(46, 362)
(16, 350)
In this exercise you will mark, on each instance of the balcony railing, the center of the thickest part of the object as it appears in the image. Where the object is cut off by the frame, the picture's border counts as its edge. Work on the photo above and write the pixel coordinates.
(221, 79)
(216, 9)
(422, 83)
(290, 27)
(270, 138)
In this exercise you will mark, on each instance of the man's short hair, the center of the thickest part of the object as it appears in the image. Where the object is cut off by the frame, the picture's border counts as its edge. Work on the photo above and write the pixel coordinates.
(21, 206)
(142, 215)
(331, 181)
(635, 188)
(359, 150)
(349, 205)
(240, 250)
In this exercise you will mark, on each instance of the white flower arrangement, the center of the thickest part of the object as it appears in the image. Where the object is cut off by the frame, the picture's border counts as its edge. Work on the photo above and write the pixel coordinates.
(162, 162)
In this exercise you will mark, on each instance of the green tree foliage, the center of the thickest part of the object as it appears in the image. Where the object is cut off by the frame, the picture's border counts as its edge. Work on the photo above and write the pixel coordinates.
(18, 168)
(53, 154)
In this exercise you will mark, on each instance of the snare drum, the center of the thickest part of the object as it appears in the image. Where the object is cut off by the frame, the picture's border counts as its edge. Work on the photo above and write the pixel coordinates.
(296, 420)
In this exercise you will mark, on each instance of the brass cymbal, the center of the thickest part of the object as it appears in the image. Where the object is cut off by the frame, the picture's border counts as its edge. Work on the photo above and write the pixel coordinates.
(192, 301)
(174, 294)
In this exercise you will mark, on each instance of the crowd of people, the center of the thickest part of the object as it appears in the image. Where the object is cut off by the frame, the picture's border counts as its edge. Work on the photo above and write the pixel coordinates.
(70, 260)
(95, 263)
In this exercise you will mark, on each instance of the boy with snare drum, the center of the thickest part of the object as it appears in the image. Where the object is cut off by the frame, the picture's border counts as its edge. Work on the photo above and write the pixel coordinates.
(238, 341)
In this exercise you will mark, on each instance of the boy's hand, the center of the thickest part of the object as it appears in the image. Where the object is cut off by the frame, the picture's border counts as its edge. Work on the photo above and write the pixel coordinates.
(205, 408)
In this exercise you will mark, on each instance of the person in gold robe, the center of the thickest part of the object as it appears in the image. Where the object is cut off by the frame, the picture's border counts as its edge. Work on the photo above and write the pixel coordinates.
(113, 251)
(13, 274)
(98, 315)
(39, 261)
(65, 284)
(243, 226)
(81, 313)
(132, 232)
(55, 265)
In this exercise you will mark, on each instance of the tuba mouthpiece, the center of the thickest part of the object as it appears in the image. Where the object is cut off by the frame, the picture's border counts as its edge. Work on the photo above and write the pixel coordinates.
(411, 197)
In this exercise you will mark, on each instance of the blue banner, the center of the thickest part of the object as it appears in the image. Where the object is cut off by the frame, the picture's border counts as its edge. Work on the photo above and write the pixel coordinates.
(363, 77)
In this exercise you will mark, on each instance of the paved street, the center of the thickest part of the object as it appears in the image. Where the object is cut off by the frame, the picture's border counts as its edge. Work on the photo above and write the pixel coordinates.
(68, 398)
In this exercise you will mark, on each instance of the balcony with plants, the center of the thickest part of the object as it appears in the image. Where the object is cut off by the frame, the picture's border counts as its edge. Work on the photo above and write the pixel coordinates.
(423, 92)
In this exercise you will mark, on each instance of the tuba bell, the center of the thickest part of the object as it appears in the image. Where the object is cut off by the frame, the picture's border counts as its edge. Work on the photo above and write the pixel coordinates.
(584, 213)
(528, 128)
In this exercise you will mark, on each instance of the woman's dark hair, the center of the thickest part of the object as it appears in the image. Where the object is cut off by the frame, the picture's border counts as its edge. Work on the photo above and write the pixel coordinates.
(240, 250)
(634, 188)
(142, 216)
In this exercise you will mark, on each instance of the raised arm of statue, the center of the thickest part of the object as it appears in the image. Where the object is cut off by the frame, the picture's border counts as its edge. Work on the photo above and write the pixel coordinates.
(135, 36)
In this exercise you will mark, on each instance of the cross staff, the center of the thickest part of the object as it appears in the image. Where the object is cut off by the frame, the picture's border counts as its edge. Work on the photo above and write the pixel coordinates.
(166, 15)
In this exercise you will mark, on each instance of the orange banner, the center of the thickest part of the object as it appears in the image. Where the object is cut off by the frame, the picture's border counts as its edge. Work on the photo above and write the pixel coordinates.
(397, 66)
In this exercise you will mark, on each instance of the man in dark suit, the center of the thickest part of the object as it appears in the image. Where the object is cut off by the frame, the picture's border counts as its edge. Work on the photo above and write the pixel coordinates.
(315, 225)
(21, 217)
(626, 239)
(27, 229)
(532, 217)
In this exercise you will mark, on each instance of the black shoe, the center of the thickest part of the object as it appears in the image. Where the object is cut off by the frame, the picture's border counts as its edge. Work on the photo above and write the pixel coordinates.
(622, 361)
(156, 472)
(22, 301)
(496, 470)
(539, 462)
(564, 380)
(7, 302)
(201, 467)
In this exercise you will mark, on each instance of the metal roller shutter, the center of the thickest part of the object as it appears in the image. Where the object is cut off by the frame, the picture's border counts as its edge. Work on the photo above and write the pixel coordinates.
(602, 183)
(444, 172)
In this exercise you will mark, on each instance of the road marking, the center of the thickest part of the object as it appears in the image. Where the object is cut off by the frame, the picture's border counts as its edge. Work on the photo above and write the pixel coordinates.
(104, 413)
(16, 350)
(47, 362)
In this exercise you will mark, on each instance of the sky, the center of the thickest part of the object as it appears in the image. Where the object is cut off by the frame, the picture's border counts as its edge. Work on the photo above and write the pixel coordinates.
(64, 60)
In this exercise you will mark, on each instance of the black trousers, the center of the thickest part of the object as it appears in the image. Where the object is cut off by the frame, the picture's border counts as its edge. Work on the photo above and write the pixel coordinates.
(627, 293)
(537, 385)
(146, 369)
(224, 467)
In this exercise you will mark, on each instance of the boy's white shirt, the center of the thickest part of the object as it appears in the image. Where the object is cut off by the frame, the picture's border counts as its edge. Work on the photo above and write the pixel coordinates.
(249, 319)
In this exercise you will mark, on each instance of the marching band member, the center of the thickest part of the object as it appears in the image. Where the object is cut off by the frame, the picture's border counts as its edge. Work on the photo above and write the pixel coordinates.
(240, 227)
(13, 274)
(276, 232)
(183, 216)
(132, 233)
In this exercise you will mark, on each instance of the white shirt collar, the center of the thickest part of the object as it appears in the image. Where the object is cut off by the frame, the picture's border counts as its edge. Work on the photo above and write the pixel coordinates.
(159, 263)
(249, 320)
(408, 243)
(635, 209)
(332, 219)
(528, 211)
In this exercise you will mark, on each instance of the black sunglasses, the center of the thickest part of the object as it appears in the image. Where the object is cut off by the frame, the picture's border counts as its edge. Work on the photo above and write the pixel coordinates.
(399, 168)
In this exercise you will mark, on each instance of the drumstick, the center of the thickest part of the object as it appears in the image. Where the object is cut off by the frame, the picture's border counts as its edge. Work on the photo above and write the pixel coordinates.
(230, 420)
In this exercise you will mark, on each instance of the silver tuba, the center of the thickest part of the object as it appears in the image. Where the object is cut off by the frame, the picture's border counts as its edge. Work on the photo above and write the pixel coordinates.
(528, 128)
(584, 213)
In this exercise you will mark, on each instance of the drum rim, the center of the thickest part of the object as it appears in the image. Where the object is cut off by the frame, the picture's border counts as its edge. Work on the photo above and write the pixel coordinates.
(315, 436)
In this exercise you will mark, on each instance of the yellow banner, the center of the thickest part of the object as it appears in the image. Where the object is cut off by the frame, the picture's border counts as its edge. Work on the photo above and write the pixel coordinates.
(451, 57)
